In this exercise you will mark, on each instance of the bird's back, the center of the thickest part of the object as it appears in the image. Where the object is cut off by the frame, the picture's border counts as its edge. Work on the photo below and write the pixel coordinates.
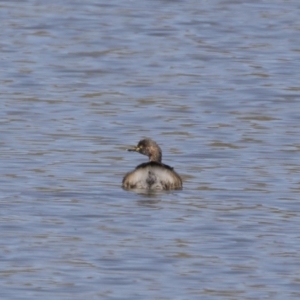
(152, 176)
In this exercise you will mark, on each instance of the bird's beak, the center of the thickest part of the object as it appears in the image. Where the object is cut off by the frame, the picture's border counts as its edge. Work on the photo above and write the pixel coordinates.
(136, 149)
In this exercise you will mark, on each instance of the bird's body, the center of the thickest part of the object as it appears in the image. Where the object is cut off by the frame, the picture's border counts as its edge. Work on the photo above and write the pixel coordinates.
(152, 175)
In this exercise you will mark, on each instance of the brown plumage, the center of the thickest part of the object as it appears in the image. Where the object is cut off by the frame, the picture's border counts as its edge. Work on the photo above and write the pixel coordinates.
(152, 175)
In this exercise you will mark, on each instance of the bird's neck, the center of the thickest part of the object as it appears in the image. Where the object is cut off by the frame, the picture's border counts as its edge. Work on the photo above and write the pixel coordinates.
(155, 157)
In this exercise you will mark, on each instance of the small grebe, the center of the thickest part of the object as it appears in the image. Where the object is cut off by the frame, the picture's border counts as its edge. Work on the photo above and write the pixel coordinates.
(152, 175)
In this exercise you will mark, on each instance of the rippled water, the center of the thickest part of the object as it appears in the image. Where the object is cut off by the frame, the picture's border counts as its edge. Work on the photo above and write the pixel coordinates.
(215, 83)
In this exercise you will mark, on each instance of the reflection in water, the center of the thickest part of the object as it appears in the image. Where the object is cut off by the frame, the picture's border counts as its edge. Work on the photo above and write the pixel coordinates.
(149, 202)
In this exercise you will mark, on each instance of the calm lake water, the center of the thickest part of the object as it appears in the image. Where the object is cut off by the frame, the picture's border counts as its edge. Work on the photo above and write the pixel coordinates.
(215, 83)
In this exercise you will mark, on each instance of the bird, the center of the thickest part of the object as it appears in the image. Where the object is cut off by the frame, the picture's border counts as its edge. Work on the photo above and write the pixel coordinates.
(152, 175)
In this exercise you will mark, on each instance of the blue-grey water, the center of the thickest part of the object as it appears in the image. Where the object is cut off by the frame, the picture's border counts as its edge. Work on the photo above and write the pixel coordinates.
(215, 83)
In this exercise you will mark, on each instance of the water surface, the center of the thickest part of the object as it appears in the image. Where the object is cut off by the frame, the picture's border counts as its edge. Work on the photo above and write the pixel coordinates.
(215, 83)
